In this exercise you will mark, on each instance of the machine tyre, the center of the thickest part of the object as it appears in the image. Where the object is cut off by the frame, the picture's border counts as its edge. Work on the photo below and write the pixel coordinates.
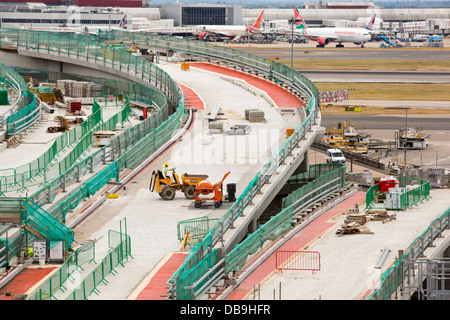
(198, 204)
(168, 193)
(217, 204)
(189, 192)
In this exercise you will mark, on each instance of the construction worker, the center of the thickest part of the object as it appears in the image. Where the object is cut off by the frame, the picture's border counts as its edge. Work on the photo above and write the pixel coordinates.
(165, 171)
(30, 252)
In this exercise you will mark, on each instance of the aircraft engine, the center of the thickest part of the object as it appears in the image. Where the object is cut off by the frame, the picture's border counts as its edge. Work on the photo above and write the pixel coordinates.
(323, 41)
(202, 35)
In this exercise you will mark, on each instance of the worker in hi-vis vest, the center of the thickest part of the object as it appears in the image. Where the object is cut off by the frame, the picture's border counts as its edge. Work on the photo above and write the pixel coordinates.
(165, 171)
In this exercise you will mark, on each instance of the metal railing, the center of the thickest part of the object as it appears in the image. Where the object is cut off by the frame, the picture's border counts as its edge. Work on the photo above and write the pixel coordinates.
(26, 109)
(396, 277)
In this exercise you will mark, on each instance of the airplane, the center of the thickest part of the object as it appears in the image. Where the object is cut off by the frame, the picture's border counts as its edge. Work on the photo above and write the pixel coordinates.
(324, 36)
(231, 32)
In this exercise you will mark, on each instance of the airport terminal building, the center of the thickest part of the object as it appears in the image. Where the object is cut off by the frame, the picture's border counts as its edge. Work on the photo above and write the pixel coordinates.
(141, 16)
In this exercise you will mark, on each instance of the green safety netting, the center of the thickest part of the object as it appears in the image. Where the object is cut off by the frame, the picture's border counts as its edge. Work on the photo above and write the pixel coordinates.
(44, 225)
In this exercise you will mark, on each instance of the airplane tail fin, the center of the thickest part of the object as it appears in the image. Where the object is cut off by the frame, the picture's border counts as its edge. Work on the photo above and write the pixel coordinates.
(299, 22)
(123, 22)
(371, 22)
(258, 21)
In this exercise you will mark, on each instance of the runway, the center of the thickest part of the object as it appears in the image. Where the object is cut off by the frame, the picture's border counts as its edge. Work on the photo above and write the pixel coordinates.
(376, 76)
(391, 122)
(308, 51)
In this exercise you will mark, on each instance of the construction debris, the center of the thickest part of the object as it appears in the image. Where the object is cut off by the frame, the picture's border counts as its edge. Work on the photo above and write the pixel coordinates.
(352, 228)
(380, 215)
(359, 218)
(63, 125)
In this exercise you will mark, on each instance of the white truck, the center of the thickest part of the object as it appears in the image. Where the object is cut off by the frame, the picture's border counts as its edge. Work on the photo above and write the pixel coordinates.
(335, 156)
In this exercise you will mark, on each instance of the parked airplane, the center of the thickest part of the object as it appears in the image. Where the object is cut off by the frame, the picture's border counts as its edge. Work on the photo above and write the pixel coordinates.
(324, 36)
(231, 32)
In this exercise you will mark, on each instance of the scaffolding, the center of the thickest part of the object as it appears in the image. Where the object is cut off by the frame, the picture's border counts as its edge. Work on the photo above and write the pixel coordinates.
(427, 279)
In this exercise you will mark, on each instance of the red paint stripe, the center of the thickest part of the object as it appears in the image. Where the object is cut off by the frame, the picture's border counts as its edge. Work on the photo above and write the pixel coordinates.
(156, 289)
(296, 243)
(281, 97)
(191, 98)
(24, 281)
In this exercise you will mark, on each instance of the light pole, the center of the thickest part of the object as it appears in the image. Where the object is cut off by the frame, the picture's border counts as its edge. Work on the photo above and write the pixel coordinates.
(292, 42)
(406, 129)
(109, 18)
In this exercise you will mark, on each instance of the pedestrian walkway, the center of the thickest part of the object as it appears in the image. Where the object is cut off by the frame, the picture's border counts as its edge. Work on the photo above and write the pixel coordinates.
(24, 281)
(298, 242)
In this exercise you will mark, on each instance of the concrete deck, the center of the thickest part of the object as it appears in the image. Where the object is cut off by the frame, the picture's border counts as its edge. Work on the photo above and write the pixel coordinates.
(152, 221)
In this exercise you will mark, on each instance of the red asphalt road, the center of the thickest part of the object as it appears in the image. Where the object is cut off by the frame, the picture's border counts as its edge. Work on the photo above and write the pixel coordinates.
(296, 243)
(281, 97)
(156, 288)
(191, 99)
(21, 283)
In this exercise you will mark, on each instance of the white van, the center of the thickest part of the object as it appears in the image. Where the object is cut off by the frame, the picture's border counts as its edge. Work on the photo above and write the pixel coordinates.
(335, 156)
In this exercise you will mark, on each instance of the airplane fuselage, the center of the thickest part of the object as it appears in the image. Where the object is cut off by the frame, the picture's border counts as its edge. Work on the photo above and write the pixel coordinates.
(355, 35)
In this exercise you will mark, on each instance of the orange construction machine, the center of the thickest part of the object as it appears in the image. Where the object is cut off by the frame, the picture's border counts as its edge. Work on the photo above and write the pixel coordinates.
(205, 189)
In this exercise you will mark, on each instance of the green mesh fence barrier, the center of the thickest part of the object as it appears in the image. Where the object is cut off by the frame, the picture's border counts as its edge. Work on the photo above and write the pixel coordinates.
(43, 168)
(323, 183)
(283, 221)
(26, 109)
(416, 191)
(44, 225)
(81, 256)
(140, 92)
(197, 227)
(120, 250)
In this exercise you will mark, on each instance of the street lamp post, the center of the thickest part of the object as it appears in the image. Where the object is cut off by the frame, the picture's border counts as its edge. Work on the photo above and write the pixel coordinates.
(406, 130)
(292, 42)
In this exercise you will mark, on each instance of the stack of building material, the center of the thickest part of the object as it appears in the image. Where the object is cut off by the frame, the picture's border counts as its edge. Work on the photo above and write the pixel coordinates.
(79, 89)
(351, 228)
(380, 215)
(215, 127)
(255, 115)
(359, 218)
(247, 111)
(65, 86)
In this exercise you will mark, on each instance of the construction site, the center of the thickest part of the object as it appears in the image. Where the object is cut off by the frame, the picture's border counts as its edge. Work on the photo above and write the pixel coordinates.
(176, 192)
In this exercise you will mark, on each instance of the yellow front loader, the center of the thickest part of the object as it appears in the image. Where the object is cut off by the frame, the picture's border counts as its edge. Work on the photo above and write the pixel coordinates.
(166, 187)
